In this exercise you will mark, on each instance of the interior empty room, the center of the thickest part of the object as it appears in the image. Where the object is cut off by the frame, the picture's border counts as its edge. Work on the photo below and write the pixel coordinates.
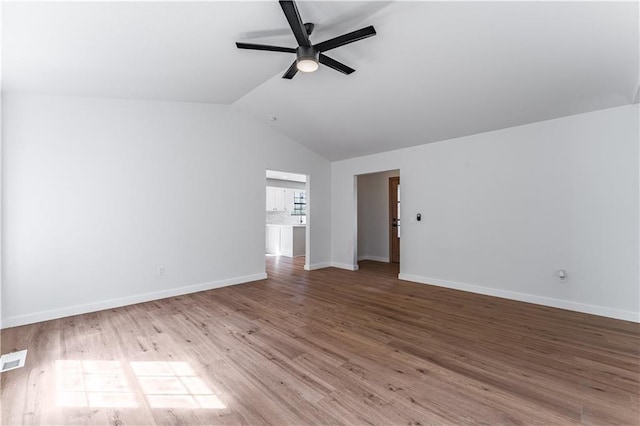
(320, 213)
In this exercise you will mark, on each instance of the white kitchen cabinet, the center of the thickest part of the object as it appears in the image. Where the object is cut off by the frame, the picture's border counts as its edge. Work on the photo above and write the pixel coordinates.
(272, 243)
(271, 198)
(280, 199)
(275, 199)
(288, 199)
(286, 240)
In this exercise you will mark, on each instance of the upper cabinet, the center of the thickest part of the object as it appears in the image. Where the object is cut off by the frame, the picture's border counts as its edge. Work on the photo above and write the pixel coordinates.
(277, 199)
(284, 199)
(288, 200)
(272, 194)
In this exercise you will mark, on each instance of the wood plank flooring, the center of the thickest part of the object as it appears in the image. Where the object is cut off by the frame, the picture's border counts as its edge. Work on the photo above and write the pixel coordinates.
(325, 347)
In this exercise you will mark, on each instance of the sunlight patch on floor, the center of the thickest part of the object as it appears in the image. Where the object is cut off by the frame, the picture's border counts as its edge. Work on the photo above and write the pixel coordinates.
(92, 384)
(174, 384)
(104, 384)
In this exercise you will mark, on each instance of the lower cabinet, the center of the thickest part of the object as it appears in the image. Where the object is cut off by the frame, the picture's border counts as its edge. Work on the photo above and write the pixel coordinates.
(272, 240)
(285, 240)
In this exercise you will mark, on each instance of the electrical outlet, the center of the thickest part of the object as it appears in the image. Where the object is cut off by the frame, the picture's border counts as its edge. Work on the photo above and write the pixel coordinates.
(562, 276)
(161, 271)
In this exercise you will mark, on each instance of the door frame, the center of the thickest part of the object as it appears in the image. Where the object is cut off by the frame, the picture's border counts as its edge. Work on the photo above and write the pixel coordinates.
(392, 187)
(307, 260)
(354, 214)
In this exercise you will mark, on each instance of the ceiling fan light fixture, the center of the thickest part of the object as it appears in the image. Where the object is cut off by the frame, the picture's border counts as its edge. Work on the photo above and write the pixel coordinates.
(307, 58)
(307, 65)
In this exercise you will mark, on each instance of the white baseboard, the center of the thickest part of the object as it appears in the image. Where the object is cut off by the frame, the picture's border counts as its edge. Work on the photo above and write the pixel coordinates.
(374, 258)
(317, 266)
(346, 266)
(124, 301)
(529, 298)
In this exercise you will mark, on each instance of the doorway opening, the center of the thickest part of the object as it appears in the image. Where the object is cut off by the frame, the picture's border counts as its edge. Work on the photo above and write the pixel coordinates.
(286, 219)
(378, 218)
(394, 219)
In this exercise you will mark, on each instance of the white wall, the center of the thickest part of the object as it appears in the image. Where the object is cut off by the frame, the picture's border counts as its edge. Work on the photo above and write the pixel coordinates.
(373, 215)
(98, 194)
(502, 211)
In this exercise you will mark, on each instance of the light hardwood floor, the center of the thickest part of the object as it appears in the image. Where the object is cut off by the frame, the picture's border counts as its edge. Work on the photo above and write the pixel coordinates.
(325, 347)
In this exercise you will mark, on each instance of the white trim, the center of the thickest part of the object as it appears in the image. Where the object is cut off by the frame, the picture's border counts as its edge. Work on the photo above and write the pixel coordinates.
(124, 301)
(529, 298)
(374, 258)
(317, 266)
(344, 266)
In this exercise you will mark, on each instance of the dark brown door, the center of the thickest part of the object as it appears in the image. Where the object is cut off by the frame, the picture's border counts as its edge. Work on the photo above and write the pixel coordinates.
(394, 219)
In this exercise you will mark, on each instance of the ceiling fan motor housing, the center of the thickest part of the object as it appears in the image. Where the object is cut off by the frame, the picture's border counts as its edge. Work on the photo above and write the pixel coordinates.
(307, 52)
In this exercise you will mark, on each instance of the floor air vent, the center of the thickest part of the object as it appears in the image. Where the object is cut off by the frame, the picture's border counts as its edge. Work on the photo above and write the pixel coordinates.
(12, 360)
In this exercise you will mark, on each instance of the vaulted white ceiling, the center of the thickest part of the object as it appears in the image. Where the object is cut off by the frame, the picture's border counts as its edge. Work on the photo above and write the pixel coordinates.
(436, 70)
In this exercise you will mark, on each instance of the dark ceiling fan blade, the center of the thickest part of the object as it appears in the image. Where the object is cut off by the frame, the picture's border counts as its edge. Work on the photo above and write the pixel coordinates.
(346, 39)
(295, 22)
(338, 66)
(254, 46)
(293, 69)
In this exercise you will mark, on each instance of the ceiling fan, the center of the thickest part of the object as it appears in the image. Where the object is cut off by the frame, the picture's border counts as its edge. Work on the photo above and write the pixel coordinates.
(309, 55)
